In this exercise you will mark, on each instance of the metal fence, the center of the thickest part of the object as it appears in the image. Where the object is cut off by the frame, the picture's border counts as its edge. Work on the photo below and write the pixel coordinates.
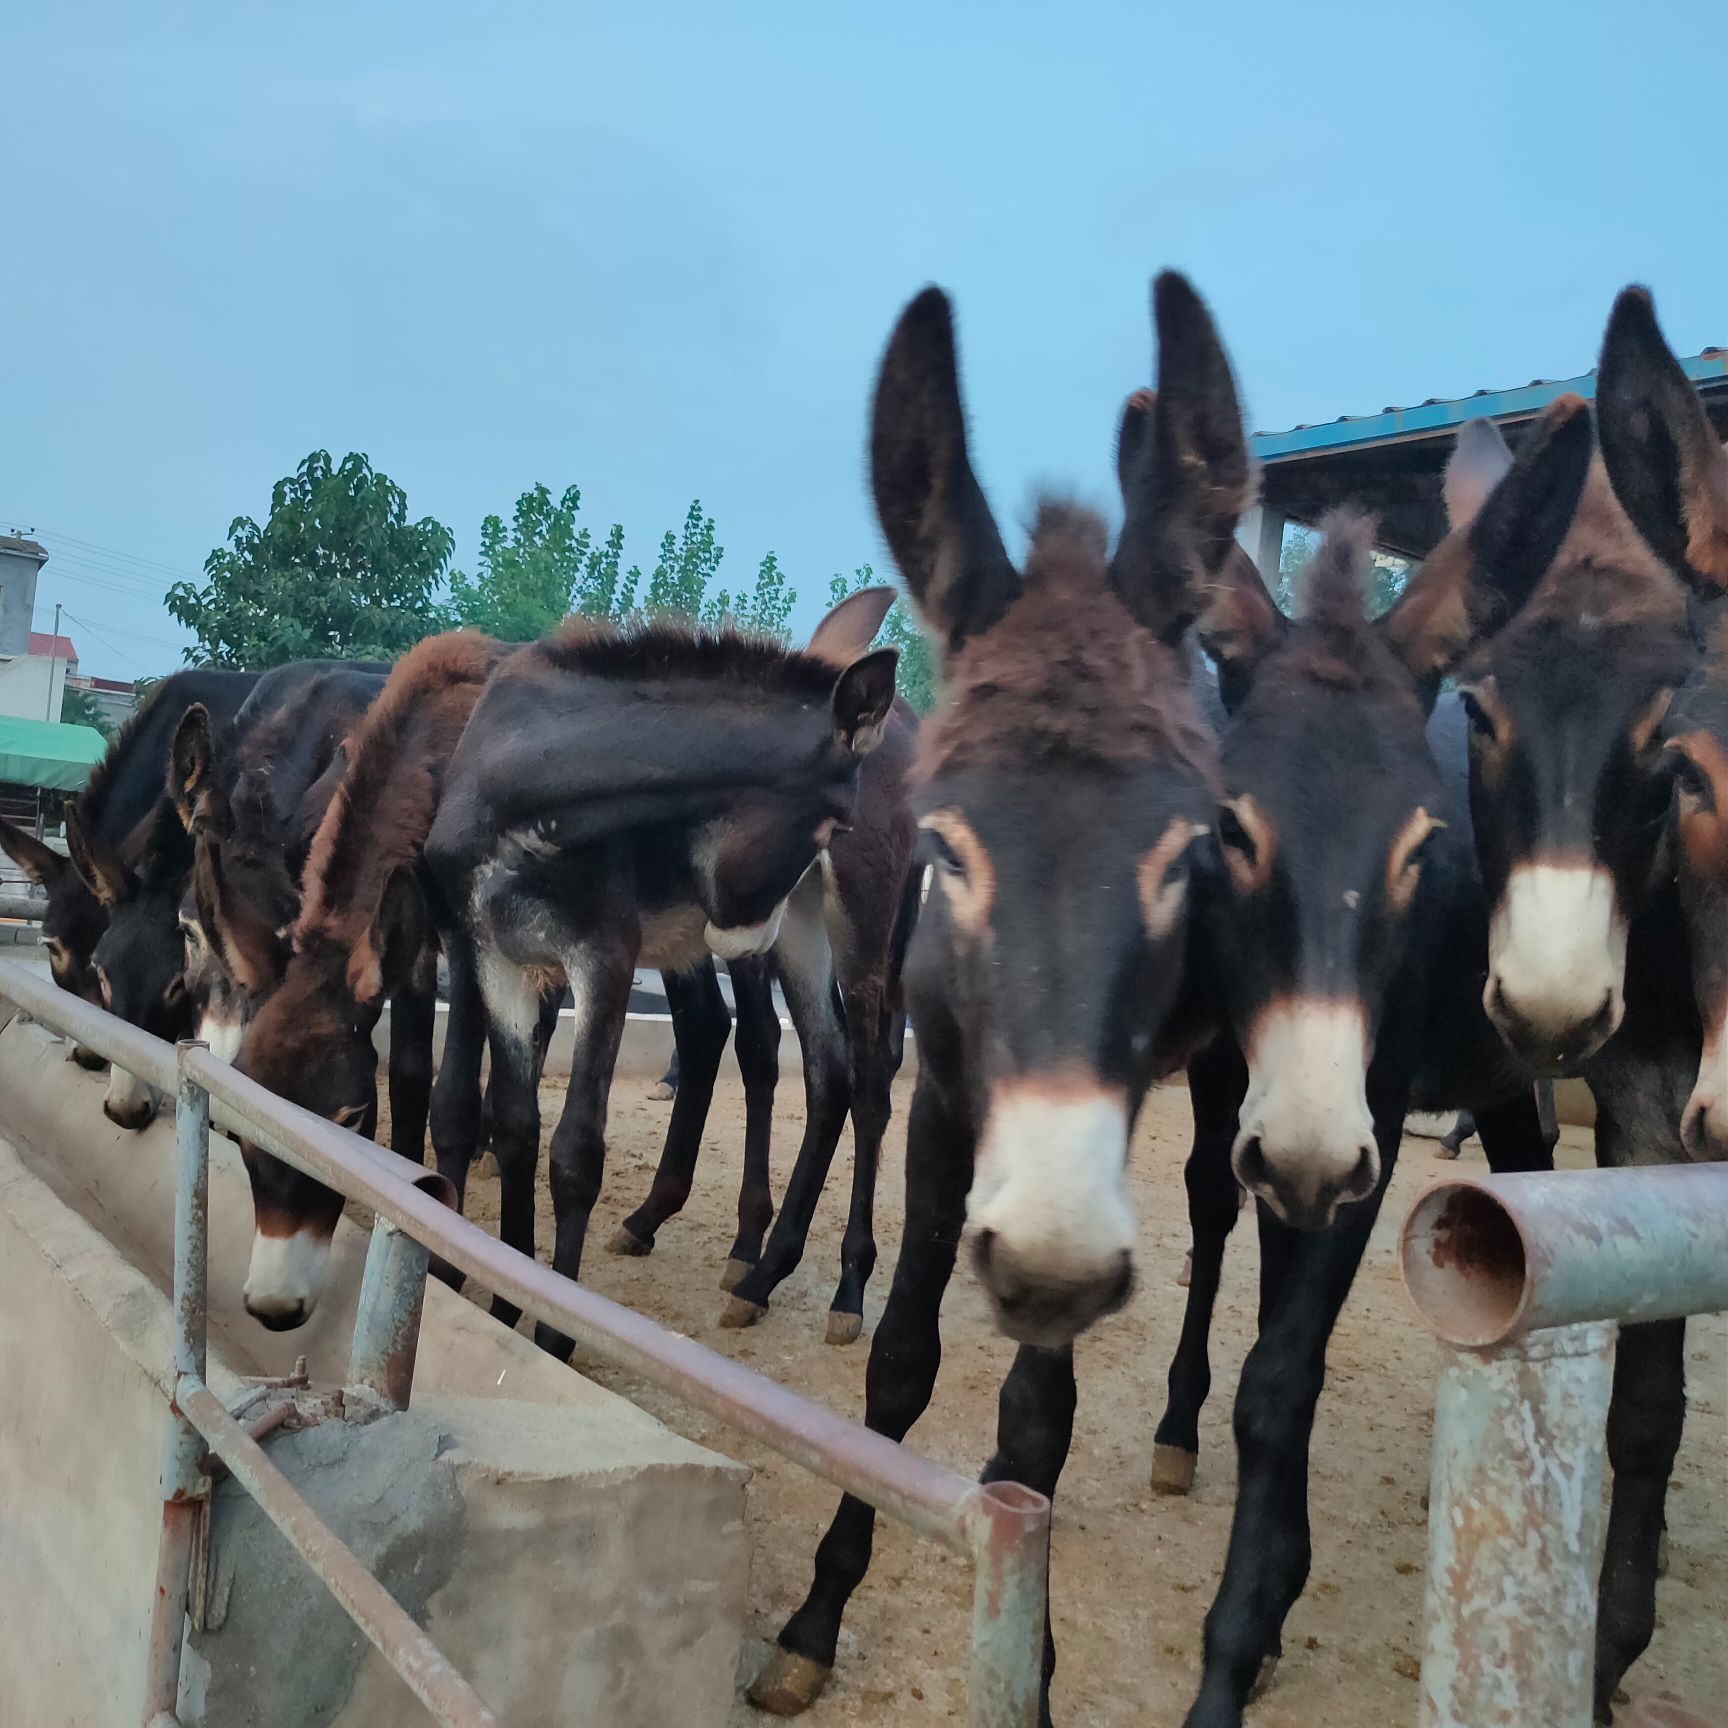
(1525, 1279)
(1002, 1527)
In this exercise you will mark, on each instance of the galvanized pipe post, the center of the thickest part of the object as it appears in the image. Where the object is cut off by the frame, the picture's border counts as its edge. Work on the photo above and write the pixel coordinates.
(185, 1487)
(1010, 1530)
(1515, 1531)
(387, 1324)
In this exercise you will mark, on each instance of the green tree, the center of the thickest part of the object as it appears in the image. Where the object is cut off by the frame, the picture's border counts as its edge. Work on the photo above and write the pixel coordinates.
(1385, 583)
(336, 571)
(917, 678)
(689, 560)
(80, 708)
(528, 572)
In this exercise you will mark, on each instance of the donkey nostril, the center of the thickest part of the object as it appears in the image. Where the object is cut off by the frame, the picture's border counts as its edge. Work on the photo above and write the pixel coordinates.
(1251, 1167)
(1605, 1014)
(1366, 1173)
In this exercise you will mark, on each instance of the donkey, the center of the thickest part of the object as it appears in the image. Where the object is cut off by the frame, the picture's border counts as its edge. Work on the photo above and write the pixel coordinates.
(838, 957)
(140, 959)
(362, 937)
(652, 796)
(1346, 935)
(251, 801)
(1637, 751)
(1061, 784)
(115, 809)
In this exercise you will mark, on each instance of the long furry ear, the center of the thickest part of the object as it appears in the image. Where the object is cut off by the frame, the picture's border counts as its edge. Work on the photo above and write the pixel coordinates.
(933, 512)
(1668, 469)
(42, 864)
(104, 872)
(1478, 464)
(850, 627)
(1240, 626)
(191, 766)
(1182, 461)
(1483, 572)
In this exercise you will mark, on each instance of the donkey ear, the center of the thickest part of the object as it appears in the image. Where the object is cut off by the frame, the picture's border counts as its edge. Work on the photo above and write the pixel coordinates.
(385, 955)
(1240, 626)
(1183, 465)
(1484, 571)
(1479, 462)
(932, 509)
(256, 954)
(191, 763)
(862, 700)
(1663, 457)
(851, 627)
(105, 873)
(42, 864)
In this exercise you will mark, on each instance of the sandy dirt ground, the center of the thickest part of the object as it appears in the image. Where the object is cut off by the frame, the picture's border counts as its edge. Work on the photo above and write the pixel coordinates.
(1132, 1574)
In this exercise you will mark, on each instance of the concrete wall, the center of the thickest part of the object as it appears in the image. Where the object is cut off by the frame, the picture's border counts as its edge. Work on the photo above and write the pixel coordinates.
(574, 1558)
(20, 564)
(31, 686)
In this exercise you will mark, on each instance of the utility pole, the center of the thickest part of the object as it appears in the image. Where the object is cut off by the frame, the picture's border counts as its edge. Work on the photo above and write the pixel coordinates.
(53, 655)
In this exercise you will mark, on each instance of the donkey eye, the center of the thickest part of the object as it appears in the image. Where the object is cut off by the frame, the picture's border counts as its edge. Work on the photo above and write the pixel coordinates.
(1481, 721)
(947, 859)
(1693, 785)
(1231, 833)
(176, 991)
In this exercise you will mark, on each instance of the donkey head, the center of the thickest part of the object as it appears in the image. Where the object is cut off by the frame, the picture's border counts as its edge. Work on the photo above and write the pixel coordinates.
(1671, 476)
(140, 958)
(1059, 788)
(73, 919)
(1569, 786)
(311, 1043)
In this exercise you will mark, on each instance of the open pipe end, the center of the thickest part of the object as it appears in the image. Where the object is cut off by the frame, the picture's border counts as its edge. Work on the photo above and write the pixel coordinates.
(1465, 1265)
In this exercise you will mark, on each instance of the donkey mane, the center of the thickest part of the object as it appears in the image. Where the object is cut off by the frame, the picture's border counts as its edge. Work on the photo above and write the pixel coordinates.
(97, 788)
(1067, 671)
(663, 650)
(383, 810)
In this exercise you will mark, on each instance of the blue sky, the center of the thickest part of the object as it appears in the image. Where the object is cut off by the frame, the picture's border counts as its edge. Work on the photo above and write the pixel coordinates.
(656, 249)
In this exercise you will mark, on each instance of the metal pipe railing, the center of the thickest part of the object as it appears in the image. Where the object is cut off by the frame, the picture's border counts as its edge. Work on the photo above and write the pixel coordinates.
(1525, 1279)
(1003, 1528)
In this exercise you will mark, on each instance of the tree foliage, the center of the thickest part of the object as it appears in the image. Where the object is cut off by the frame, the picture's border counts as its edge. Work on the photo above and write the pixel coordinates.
(917, 678)
(80, 708)
(336, 571)
(1386, 580)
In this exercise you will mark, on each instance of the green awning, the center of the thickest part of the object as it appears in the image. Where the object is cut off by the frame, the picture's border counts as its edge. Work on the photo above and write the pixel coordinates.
(42, 753)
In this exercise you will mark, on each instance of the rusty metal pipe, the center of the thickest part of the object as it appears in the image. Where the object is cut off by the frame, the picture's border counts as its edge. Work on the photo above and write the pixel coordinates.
(386, 1624)
(122, 1044)
(387, 1322)
(926, 1496)
(1490, 1258)
(26, 907)
(1010, 1527)
(1515, 1529)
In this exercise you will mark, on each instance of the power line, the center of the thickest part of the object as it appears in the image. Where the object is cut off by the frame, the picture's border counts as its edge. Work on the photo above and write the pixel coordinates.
(85, 624)
(113, 552)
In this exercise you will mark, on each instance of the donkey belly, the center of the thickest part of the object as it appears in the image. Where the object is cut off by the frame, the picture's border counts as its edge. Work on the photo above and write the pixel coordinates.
(675, 938)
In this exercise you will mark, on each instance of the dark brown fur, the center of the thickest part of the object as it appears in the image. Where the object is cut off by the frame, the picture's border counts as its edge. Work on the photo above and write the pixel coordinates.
(1014, 692)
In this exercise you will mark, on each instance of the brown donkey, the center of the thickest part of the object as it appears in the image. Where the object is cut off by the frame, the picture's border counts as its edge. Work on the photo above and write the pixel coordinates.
(361, 936)
(1061, 783)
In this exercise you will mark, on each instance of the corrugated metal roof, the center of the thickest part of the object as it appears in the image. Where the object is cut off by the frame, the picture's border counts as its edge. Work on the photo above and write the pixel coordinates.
(1436, 414)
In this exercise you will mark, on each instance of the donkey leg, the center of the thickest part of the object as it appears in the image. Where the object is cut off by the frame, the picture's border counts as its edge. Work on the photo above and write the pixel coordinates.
(904, 1356)
(701, 1024)
(512, 1013)
(1270, 1552)
(1514, 1136)
(455, 1110)
(1034, 1426)
(807, 976)
(413, 1018)
(600, 976)
(870, 1079)
(1645, 1419)
(758, 1047)
(1216, 1081)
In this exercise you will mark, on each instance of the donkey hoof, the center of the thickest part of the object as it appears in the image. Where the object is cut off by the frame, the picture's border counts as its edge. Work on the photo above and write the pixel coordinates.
(1263, 1680)
(1186, 1276)
(788, 1685)
(735, 1273)
(844, 1328)
(661, 1092)
(625, 1241)
(1173, 1469)
(740, 1312)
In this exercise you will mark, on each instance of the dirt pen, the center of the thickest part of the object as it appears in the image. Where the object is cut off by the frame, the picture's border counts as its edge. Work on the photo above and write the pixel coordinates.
(1132, 1575)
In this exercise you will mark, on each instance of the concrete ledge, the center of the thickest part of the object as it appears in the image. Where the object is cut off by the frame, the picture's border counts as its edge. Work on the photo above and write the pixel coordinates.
(575, 1559)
